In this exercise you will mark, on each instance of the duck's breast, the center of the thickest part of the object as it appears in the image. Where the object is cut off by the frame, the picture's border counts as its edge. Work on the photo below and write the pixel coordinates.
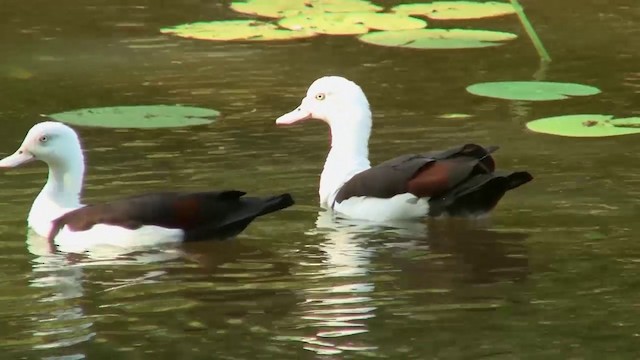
(398, 207)
(116, 236)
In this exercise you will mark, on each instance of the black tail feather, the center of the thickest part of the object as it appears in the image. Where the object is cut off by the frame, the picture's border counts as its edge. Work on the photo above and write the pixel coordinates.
(518, 178)
(276, 203)
(245, 211)
(479, 194)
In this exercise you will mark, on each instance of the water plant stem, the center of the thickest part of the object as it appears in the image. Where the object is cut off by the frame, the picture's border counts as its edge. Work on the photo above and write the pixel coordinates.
(537, 43)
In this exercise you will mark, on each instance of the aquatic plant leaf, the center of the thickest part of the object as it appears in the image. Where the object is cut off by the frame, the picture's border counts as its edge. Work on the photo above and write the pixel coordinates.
(456, 10)
(229, 30)
(586, 125)
(531, 90)
(143, 116)
(350, 23)
(438, 38)
(283, 8)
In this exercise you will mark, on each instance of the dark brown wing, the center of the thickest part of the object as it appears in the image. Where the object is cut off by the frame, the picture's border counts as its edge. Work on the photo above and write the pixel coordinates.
(199, 214)
(456, 181)
(423, 175)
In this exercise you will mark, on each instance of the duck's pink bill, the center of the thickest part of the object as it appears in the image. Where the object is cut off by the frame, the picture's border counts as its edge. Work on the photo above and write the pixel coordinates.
(293, 117)
(18, 158)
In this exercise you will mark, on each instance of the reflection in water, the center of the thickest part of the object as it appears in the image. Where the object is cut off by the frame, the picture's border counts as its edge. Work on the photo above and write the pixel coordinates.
(340, 309)
(484, 256)
(437, 260)
(60, 321)
(541, 72)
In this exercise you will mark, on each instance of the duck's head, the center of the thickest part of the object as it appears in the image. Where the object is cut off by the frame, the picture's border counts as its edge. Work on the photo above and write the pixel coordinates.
(52, 142)
(334, 100)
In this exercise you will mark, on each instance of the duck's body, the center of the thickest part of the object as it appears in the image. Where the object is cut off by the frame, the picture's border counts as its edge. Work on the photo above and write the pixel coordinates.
(136, 221)
(457, 181)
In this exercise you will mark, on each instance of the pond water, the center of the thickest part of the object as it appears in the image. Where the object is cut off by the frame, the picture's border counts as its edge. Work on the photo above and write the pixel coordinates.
(551, 274)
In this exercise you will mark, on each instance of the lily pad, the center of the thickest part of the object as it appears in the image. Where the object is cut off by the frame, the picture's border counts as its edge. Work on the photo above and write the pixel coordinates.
(143, 116)
(438, 38)
(586, 125)
(531, 90)
(283, 8)
(350, 23)
(229, 30)
(456, 10)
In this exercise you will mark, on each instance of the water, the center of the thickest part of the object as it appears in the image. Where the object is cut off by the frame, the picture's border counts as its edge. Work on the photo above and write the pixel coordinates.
(552, 274)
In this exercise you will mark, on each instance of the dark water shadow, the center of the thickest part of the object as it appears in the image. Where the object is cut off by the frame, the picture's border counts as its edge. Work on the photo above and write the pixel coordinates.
(102, 295)
(488, 255)
(359, 265)
(339, 281)
(244, 278)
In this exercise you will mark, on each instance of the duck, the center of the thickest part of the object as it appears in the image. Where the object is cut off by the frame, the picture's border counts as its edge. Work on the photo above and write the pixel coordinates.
(459, 181)
(140, 220)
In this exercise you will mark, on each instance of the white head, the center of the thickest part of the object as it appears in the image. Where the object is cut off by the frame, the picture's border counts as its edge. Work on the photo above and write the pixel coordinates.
(52, 142)
(339, 102)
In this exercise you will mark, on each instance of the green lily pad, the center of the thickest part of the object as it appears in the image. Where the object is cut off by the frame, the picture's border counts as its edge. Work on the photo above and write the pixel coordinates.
(586, 125)
(531, 90)
(456, 10)
(229, 30)
(438, 38)
(143, 116)
(283, 8)
(350, 23)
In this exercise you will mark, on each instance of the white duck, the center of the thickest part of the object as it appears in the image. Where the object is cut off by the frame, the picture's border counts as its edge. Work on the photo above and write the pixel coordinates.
(457, 181)
(143, 220)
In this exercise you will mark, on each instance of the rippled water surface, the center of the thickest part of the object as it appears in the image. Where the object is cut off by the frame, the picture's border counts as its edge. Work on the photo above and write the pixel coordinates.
(552, 274)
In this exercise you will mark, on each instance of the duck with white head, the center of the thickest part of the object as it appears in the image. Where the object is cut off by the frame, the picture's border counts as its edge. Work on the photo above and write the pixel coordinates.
(460, 181)
(131, 222)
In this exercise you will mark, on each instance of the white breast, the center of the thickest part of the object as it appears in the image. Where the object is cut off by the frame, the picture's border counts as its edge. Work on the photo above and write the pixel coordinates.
(102, 235)
(402, 206)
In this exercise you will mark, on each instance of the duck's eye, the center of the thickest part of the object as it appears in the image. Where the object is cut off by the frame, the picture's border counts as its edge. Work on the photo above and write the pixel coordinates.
(43, 138)
(320, 96)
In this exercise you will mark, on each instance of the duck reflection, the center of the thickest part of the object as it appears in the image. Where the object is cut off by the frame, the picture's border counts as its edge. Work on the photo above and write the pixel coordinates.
(481, 255)
(358, 261)
(339, 303)
(60, 324)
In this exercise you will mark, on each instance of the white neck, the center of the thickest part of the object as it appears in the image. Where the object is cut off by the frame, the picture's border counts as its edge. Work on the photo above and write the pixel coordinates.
(349, 154)
(61, 193)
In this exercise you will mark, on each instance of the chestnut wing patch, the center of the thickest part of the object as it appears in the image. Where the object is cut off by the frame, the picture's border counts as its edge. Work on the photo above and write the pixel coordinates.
(437, 177)
(423, 175)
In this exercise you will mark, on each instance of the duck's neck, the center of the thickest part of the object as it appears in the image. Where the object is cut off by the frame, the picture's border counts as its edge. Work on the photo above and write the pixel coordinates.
(349, 153)
(62, 191)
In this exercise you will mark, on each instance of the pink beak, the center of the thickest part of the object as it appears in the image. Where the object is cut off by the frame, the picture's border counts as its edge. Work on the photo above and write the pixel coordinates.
(294, 116)
(16, 159)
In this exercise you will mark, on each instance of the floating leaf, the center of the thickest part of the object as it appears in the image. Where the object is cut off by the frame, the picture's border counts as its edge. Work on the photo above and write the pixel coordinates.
(283, 8)
(144, 116)
(438, 38)
(350, 23)
(227, 30)
(455, 10)
(531, 90)
(586, 125)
